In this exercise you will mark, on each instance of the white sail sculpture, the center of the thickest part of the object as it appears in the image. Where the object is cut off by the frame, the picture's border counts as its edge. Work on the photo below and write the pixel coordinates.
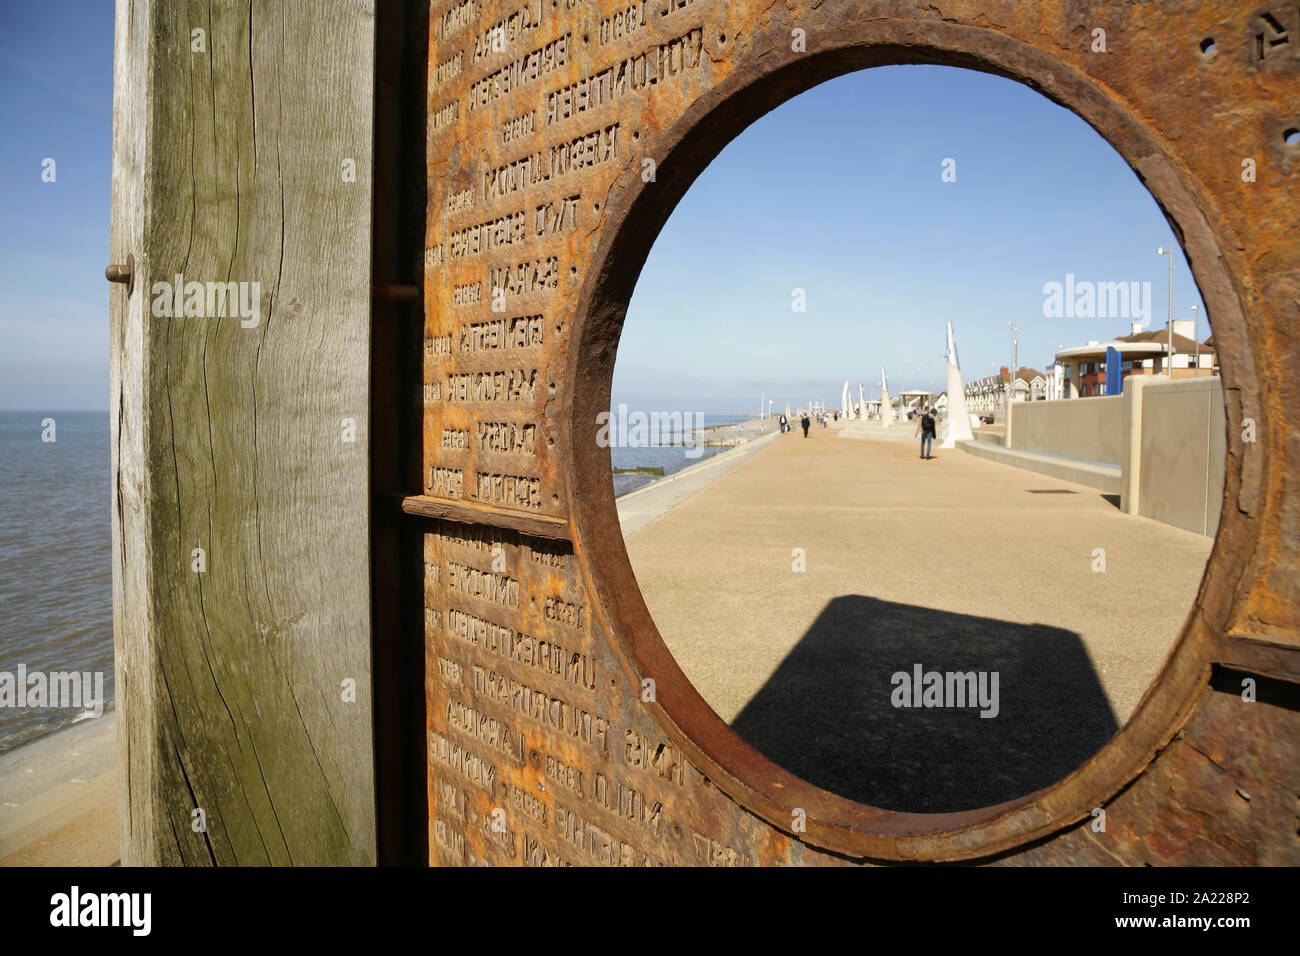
(862, 405)
(846, 410)
(886, 405)
(958, 427)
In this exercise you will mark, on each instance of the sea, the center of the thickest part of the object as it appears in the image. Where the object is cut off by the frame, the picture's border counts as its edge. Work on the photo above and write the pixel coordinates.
(56, 588)
(56, 585)
(670, 458)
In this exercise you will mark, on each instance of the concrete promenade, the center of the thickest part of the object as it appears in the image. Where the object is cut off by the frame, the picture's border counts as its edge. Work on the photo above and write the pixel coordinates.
(953, 564)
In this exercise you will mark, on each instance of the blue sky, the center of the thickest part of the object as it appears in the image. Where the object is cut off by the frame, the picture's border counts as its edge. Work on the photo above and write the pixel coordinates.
(56, 101)
(837, 192)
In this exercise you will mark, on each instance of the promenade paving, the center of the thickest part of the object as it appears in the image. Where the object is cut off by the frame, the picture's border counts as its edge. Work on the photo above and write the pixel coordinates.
(955, 564)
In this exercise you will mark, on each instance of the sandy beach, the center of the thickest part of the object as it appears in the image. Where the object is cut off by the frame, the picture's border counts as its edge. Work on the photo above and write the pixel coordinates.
(58, 798)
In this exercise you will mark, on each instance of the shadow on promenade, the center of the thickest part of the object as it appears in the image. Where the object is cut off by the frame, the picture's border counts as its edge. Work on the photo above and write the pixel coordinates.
(826, 713)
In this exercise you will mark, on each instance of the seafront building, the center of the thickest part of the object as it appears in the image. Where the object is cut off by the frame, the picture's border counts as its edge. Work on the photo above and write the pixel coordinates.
(1030, 385)
(1141, 353)
(990, 393)
(1079, 371)
(986, 394)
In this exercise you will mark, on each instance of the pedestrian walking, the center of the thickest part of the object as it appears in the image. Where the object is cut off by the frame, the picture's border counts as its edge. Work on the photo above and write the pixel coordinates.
(805, 422)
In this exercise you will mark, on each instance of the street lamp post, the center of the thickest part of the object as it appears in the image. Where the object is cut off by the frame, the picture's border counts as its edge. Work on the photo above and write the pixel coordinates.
(1196, 334)
(1011, 371)
(1169, 359)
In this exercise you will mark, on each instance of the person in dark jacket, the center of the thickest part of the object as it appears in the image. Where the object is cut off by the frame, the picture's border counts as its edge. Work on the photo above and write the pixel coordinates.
(805, 422)
(925, 428)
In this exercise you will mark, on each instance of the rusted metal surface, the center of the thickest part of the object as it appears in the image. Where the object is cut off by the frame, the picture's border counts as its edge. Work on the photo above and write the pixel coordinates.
(561, 135)
(539, 526)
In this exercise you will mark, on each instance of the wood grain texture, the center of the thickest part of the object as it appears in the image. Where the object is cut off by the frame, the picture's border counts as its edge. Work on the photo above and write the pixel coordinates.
(129, 491)
(228, 168)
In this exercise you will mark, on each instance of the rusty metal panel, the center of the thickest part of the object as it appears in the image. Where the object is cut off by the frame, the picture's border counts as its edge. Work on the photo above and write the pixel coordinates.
(560, 136)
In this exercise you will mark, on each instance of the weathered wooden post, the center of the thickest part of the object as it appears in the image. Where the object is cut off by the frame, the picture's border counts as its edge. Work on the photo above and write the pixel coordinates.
(240, 374)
